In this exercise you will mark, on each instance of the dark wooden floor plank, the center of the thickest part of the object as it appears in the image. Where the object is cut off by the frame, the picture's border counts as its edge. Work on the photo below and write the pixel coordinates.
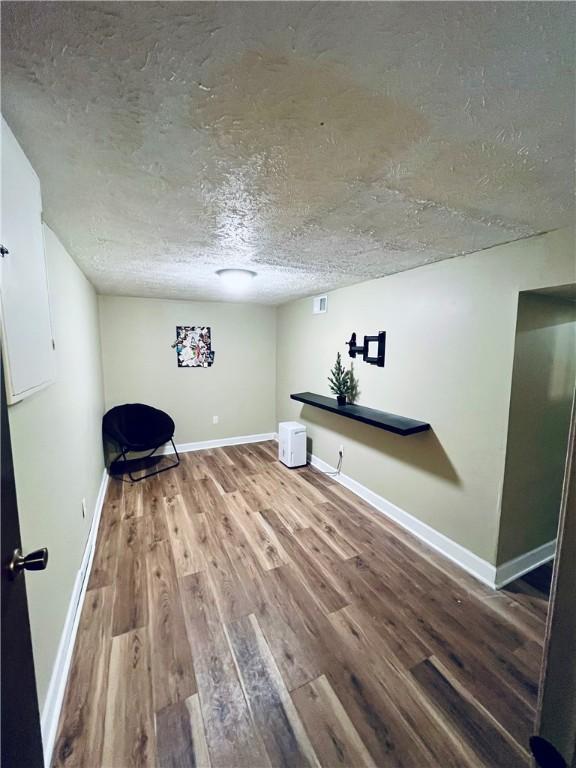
(129, 734)
(530, 653)
(326, 528)
(103, 571)
(261, 453)
(221, 474)
(318, 583)
(332, 733)
(468, 666)
(132, 501)
(180, 738)
(173, 678)
(130, 597)
(355, 686)
(381, 607)
(510, 611)
(231, 596)
(188, 535)
(388, 740)
(230, 732)
(274, 713)
(114, 492)
(292, 482)
(261, 537)
(208, 495)
(411, 722)
(490, 742)
(295, 652)
(81, 734)
(241, 460)
(154, 511)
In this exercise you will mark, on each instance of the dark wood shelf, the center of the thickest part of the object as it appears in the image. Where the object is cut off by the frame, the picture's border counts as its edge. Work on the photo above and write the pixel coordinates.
(400, 425)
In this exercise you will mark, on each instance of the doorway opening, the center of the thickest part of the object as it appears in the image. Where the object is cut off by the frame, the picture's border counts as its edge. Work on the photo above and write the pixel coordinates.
(541, 397)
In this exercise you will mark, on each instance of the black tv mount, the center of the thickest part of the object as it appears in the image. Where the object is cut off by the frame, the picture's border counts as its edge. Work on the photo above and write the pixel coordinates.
(364, 350)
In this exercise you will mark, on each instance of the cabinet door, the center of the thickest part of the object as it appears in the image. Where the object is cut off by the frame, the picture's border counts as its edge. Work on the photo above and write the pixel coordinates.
(27, 342)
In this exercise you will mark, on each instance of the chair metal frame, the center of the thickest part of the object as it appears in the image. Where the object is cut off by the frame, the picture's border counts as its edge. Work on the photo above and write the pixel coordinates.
(123, 456)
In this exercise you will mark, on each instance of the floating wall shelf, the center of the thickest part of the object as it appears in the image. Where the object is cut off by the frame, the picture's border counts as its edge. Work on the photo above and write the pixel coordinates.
(400, 425)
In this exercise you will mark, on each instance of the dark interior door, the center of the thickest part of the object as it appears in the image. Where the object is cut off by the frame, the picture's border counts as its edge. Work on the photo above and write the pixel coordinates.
(20, 736)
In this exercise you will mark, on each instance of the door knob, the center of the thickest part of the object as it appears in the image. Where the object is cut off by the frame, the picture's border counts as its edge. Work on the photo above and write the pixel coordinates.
(4, 251)
(35, 561)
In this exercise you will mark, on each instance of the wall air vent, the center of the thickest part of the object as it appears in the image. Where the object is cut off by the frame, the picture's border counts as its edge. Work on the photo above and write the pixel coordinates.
(320, 305)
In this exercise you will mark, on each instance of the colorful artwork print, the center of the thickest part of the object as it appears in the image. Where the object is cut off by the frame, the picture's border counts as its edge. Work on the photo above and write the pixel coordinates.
(193, 346)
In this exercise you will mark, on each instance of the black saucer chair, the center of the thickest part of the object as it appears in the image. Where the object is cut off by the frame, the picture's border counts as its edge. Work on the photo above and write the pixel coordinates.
(137, 428)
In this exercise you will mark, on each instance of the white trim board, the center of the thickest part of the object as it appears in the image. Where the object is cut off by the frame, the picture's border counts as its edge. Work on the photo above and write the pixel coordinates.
(57, 687)
(220, 443)
(513, 569)
(484, 571)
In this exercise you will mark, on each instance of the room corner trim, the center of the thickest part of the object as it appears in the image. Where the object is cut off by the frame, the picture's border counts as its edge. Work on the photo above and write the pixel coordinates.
(476, 566)
(57, 687)
(513, 569)
(220, 442)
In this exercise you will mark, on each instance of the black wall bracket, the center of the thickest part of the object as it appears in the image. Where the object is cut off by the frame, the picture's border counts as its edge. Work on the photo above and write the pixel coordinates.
(364, 350)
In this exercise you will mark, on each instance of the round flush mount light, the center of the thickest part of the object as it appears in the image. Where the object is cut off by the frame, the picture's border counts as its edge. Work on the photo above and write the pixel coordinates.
(236, 280)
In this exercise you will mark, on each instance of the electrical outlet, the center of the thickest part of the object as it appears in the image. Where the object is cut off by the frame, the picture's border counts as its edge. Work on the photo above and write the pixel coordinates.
(341, 451)
(84, 508)
(214, 419)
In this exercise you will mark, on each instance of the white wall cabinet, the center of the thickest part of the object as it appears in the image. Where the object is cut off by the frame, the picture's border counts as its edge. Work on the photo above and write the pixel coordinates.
(27, 340)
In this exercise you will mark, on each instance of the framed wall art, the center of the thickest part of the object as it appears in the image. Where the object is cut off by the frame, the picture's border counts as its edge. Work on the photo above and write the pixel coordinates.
(193, 346)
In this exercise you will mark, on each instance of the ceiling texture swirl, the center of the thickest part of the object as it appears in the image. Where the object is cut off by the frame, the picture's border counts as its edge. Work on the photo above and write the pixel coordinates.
(318, 144)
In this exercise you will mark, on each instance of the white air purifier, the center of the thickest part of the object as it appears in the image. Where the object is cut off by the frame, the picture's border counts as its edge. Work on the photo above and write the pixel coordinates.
(292, 443)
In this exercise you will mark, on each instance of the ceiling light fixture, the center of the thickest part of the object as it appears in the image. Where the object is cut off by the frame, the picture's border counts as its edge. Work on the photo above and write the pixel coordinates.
(236, 280)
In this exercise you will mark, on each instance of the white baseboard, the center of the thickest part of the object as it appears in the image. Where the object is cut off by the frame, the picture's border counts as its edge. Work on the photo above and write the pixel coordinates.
(517, 567)
(220, 442)
(57, 687)
(481, 569)
(492, 576)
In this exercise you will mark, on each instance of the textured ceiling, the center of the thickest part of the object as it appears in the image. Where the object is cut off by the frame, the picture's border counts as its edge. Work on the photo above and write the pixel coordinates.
(317, 143)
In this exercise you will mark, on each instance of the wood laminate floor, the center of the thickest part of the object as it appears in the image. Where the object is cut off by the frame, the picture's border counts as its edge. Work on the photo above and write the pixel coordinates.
(241, 615)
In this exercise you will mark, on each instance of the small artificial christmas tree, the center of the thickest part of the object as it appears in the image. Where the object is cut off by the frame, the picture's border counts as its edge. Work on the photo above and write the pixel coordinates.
(339, 380)
(353, 386)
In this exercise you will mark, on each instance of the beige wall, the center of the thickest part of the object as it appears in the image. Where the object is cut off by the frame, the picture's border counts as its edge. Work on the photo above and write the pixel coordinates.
(450, 348)
(58, 455)
(542, 390)
(140, 364)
